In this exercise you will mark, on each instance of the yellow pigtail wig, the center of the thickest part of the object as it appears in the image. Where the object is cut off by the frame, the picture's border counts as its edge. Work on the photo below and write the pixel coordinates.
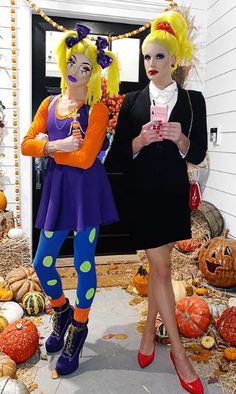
(174, 37)
(89, 49)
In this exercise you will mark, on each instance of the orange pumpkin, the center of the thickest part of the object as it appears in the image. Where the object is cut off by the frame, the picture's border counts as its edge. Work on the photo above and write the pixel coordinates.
(226, 325)
(140, 280)
(217, 261)
(21, 280)
(192, 316)
(20, 340)
(3, 201)
(230, 353)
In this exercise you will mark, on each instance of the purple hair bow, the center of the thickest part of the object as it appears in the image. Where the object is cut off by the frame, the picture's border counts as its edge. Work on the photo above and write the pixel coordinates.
(82, 32)
(103, 59)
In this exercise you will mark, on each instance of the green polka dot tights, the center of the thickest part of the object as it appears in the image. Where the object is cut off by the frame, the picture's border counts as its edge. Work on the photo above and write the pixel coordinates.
(84, 252)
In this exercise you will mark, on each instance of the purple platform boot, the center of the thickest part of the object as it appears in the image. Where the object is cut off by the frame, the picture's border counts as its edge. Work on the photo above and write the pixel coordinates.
(68, 361)
(60, 322)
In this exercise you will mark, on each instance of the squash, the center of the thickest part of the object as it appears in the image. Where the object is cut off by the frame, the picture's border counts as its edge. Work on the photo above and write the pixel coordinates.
(15, 233)
(10, 311)
(2, 282)
(140, 280)
(33, 303)
(3, 201)
(3, 323)
(230, 353)
(226, 325)
(5, 294)
(20, 340)
(7, 366)
(192, 316)
(21, 280)
(179, 289)
(12, 386)
(201, 291)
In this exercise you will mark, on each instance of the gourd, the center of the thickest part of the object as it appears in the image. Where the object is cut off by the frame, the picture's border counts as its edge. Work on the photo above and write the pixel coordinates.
(12, 386)
(192, 316)
(3, 323)
(33, 303)
(15, 233)
(179, 289)
(7, 366)
(217, 261)
(20, 340)
(140, 280)
(3, 201)
(201, 291)
(5, 294)
(230, 353)
(10, 311)
(21, 280)
(226, 325)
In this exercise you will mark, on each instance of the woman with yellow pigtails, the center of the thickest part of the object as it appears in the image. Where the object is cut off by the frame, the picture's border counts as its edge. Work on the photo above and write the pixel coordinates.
(159, 129)
(70, 130)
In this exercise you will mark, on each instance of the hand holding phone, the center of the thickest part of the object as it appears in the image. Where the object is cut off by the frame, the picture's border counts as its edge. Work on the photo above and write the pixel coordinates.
(158, 115)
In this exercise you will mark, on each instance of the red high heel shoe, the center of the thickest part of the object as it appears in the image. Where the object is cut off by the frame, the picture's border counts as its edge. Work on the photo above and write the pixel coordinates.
(194, 387)
(144, 360)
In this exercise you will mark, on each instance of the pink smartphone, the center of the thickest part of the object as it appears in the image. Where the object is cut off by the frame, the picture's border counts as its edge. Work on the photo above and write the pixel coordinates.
(158, 114)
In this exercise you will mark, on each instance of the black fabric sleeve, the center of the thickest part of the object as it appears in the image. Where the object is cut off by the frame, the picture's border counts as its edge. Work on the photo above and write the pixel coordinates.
(198, 137)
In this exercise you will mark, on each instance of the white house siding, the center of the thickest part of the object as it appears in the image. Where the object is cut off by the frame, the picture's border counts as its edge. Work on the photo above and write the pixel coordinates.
(220, 93)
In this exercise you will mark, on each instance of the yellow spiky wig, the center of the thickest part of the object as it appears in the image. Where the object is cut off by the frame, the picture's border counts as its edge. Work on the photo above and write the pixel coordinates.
(175, 40)
(89, 49)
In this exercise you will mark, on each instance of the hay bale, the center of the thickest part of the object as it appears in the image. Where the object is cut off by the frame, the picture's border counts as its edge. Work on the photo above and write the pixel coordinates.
(14, 253)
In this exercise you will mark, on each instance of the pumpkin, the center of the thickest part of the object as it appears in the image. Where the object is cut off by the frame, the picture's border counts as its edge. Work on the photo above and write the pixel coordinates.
(226, 325)
(201, 291)
(33, 303)
(15, 233)
(230, 353)
(217, 261)
(179, 289)
(192, 316)
(6, 294)
(12, 386)
(140, 280)
(20, 340)
(3, 201)
(3, 323)
(232, 301)
(7, 366)
(162, 334)
(21, 280)
(188, 245)
(10, 311)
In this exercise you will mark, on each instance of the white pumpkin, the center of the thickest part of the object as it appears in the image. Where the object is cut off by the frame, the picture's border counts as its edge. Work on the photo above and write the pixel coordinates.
(232, 301)
(2, 282)
(12, 386)
(11, 311)
(179, 289)
(14, 233)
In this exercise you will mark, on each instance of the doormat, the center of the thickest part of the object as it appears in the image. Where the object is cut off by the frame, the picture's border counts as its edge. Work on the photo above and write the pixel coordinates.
(108, 275)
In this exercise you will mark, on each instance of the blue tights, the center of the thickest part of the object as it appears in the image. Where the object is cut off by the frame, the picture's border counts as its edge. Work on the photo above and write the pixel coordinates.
(84, 252)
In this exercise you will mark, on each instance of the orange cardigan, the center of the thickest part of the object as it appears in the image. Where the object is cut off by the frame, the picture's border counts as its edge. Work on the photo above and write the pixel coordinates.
(92, 144)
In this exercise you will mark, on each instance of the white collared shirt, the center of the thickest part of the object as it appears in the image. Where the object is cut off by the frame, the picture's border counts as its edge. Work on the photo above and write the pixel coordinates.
(166, 96)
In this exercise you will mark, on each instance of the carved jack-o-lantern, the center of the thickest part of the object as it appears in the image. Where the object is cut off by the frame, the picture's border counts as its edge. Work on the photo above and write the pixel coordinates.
(217, 261)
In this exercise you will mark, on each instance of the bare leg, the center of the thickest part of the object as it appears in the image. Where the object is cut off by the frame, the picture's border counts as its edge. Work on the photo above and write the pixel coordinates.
(148, 337)
(163, 296)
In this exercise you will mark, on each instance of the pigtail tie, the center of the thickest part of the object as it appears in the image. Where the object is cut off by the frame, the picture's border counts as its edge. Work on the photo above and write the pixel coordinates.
(82, 32)
(166, 27)
(102, 59)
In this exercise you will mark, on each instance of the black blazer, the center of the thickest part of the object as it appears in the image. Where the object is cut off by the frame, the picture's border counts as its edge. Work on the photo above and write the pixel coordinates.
(158, 164)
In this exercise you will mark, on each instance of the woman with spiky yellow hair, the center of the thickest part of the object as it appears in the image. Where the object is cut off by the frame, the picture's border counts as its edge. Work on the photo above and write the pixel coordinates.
(70, 130)
(159, 129)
